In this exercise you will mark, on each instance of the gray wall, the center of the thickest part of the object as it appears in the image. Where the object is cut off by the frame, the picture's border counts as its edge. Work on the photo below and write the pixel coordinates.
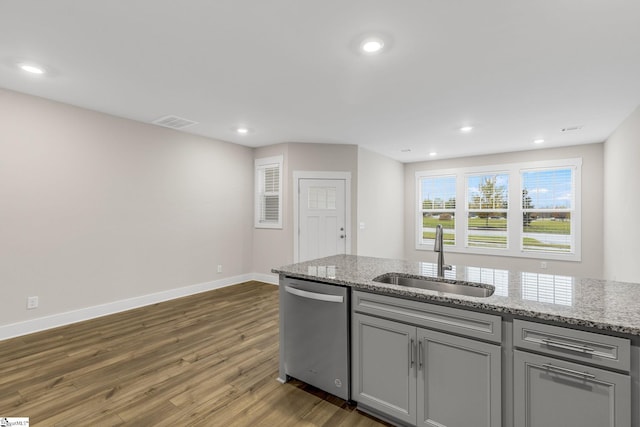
(274, 247)
(95, 209)
(592, 219)
(621, 201)
(380, 205)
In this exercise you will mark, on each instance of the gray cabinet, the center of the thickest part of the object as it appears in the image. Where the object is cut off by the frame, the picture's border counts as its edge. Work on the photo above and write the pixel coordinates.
(421, 376)
(458, 381)
(383, 366)
(553, 392)
(578, 379)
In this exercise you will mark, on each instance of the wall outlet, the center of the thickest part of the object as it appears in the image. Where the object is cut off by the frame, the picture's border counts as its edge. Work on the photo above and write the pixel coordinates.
(32, 302)
(219, 268)
(543, 265)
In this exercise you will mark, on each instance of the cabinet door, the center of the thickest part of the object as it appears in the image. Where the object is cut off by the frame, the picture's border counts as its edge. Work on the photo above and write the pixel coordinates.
(552, 392)
(459, 381)
(383, 366)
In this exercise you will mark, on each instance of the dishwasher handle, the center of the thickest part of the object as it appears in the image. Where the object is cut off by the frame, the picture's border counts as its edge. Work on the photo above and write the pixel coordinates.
(312, 295)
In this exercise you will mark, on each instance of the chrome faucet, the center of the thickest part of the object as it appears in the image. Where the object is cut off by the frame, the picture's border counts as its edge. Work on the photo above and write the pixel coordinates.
(438, 246)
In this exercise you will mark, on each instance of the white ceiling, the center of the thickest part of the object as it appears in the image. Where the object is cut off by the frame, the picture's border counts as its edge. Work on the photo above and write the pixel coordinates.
(291, 72)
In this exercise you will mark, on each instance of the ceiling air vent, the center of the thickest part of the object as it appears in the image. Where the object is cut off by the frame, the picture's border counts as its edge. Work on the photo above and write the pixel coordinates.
(570, 129)
(174, 122)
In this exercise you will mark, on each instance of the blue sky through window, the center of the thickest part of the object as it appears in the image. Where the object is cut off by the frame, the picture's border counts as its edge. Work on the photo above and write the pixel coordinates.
(549, 189)
(440, 188)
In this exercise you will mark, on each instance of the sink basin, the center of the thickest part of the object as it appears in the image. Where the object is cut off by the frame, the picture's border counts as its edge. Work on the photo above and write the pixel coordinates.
(440, 285)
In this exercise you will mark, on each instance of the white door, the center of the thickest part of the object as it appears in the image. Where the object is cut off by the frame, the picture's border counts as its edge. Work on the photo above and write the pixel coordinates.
(322, 218)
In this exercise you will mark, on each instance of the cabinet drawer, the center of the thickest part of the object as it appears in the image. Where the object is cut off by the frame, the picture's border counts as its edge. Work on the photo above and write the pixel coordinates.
(552, 392)
(585, 347)
(469, 323)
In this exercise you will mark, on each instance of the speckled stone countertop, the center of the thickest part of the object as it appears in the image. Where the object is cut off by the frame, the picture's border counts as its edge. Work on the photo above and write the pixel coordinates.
(600, 304)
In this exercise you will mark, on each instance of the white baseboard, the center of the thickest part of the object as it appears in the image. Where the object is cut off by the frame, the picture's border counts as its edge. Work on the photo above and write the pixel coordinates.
(266, 278)
(53, 321)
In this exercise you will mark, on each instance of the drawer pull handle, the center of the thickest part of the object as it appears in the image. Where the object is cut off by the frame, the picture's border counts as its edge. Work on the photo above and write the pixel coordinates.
(567, 371)
(568, 346)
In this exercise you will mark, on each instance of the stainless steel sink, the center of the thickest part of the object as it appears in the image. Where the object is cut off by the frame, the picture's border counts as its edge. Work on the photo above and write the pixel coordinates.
(440, 285)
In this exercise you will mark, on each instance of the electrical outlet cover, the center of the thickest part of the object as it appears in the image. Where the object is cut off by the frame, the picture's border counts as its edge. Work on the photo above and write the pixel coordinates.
(32, 302)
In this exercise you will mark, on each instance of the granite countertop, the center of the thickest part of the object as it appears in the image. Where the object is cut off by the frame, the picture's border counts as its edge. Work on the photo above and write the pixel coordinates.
(600, 304)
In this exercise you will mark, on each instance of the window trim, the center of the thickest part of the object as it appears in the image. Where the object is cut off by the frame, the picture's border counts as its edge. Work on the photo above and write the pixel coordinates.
(514, 213)
(260, 164)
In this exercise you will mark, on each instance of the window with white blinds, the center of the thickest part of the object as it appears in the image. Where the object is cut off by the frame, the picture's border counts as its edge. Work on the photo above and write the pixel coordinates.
(268, 187)
(529, 209)
(547, 209)
(487, 210)
(437, 196)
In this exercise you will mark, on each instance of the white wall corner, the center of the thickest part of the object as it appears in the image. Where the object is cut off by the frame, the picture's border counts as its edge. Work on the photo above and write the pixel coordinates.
(272, 279)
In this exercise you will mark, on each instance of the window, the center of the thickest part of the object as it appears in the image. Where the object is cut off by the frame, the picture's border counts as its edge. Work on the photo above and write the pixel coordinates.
(438, 206)
(487, 208)
(322, 198)
(547, 207)
(268, 188)
(527, 209)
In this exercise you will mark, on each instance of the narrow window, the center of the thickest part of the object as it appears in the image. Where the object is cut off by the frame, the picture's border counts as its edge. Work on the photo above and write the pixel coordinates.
(268, 200)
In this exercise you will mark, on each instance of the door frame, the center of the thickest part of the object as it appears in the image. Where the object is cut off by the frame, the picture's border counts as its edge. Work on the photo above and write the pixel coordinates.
(297, 176)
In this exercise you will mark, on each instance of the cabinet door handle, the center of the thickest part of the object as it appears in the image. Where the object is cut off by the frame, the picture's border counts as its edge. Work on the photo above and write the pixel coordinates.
(411, 350)
(570, 372)
(420, 353)
(568, 346)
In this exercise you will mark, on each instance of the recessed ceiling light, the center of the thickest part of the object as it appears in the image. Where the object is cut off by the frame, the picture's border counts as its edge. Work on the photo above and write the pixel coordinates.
(242, 131)
(538, 141)
(466, 129)
(433, 154)
(371, 45)
(30, 68)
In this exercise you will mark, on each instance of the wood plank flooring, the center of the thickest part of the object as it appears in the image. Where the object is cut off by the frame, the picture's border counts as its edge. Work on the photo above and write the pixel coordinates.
(205, 360)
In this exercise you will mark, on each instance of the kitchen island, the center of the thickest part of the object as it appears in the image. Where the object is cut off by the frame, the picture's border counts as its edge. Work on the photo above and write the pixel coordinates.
(543, 348)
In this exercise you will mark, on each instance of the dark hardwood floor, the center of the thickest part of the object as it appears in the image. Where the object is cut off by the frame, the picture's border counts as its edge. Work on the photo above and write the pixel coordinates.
(205, 360)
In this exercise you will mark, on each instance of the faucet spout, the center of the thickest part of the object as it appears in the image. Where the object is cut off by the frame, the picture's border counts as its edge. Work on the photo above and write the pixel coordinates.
(438, 246)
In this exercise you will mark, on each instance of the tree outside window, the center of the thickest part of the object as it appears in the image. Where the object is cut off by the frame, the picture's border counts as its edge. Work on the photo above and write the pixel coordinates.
(487, 205)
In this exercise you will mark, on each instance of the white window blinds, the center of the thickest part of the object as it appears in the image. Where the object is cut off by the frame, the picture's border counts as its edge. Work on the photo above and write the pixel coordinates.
(268, 202)
(487, 207)
(527, 209)
(437, 199)
(547, 209)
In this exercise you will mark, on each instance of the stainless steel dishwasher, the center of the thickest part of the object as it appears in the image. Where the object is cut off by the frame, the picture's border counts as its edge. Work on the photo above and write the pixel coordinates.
(316, 335)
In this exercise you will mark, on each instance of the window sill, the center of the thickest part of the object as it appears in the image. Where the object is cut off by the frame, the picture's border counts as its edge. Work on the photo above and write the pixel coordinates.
(506, 253)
